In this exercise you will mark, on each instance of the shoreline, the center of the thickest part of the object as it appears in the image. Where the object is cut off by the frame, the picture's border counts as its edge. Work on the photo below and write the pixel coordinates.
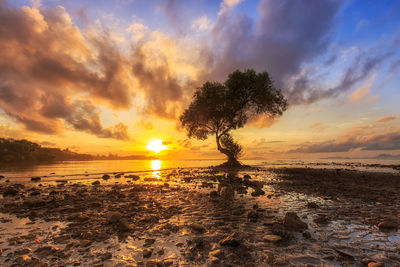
(203, 216)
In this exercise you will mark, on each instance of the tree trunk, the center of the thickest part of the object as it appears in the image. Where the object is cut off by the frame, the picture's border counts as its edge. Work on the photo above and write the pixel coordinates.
(232, 161)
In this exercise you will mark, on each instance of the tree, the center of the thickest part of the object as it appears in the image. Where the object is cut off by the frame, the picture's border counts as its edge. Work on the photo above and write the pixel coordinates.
(217, 108)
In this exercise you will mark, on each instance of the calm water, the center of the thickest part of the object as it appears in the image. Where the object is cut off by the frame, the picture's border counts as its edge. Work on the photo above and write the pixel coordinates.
(90, 168)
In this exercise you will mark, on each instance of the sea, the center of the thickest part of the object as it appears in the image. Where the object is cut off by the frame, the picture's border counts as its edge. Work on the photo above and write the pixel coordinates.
(95, 168)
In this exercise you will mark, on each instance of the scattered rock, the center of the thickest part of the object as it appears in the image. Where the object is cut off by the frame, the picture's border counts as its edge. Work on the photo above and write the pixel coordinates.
(214, 194)
(258, 192)
(293, 222)
(321, 219)
(153, 263)
(96, 183)
(253, 215)
(10, 191)
(231, 241)
(388, 224)
(376, 264)
(147, 252)
(217, 253)
(105, 177)
(116, 219)
(272, 238)
(197, 228)
(312, 205)
(106, 256)
(35, 179)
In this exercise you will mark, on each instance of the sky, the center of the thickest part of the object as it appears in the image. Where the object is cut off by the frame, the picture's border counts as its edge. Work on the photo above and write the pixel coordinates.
(110, 76)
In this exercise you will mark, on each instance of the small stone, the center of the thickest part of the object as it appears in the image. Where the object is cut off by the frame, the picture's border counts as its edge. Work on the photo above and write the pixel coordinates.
(197, 228)
(35, 179)
(147, 252)
(312, 205)
(272, 238)
(230, 241)
(293, 222)
(106, 256)
(105, 177)
(167, 262)
(153, 263)
(217, 253)
(85, 243)
(214, 260)
(388, 224)
(214, 194)
(149, 241)
(96, 183)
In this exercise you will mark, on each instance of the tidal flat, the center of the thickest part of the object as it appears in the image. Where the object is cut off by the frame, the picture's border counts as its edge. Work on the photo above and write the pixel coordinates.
(281, 216)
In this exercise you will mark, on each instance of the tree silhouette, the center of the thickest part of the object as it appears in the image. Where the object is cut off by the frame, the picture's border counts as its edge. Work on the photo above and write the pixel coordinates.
(217, 108)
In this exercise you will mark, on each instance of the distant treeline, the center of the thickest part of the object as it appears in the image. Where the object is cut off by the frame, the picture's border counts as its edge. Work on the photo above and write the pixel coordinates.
(15, 151)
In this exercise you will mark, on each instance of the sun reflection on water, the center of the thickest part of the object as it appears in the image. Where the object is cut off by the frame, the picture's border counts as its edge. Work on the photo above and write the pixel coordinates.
(156, 166)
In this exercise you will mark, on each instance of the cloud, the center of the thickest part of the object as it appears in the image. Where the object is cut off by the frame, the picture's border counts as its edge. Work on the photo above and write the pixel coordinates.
(227, 5)
(386, 119)
(53, 74)
(318, 126)
(358, 138)
(46, 64)
(363, 93)
(201, 24)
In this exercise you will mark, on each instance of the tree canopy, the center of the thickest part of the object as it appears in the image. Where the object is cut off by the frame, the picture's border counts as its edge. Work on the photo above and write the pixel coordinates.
(217, 108)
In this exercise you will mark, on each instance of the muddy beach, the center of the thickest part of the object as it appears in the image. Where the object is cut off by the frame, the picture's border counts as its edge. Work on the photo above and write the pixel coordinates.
(203, 217)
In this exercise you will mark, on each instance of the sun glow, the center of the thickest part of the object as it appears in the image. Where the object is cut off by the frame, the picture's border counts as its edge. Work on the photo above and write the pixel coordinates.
(156, 166)
(156, 146)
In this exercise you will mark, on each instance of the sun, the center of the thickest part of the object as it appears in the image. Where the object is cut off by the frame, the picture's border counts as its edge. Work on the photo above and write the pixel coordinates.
(156, 146)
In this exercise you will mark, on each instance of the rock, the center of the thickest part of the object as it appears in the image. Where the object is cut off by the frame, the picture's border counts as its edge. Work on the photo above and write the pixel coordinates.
(272, 238)
(116, 219)
(153, 263)
(217, 253)
(293, 222)
(376, 264)
(258, 192)
(35, 193)
(147, 252)
(1, 177)
(105, 177)
(387, 224)
(343, 255)
(167, 262)
(321, 219)
(85, 243)
(230, 241)
(214, 194)
(312, 205)
(306, 235)
(10, 191)
(197, 228)
(149, 242)
(133, 177)
(253, 215)
(214, 260)
(45, 251)
(35, 179)
(106, 256)
(96, 183)
(246, 177)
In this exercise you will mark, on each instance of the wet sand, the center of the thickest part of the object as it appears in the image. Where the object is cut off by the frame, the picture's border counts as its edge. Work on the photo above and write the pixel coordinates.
(203, 216)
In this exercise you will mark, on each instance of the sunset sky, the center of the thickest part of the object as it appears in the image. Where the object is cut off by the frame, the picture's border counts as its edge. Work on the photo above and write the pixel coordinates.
(111, 75)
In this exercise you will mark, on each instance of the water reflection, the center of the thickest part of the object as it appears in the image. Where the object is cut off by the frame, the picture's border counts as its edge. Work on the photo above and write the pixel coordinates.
(156, 166)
